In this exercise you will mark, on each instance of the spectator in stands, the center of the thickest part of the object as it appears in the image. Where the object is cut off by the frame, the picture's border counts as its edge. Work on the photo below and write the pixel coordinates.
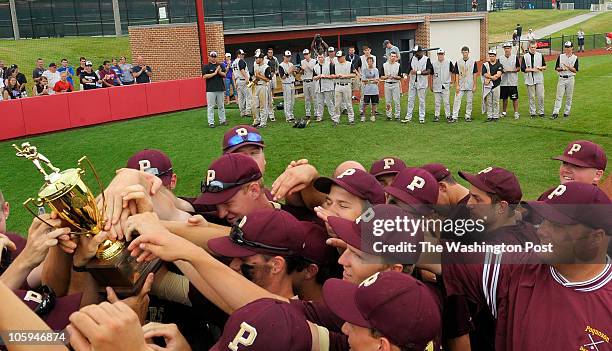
(21, 79)
(39, 70)
(118, 72)
(63, 86)
(2, 71)
(142, 73)
(68, 69)
(126, 71)
(89, 78)
(229, 81)
(107, 75)
(81, 68)
(1, 89)
(53, 76)
(98, 71)
(41, 87)
(474, 5)
(12, 90)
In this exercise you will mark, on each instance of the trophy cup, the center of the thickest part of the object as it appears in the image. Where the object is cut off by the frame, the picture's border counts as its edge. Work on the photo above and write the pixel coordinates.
(67, 194)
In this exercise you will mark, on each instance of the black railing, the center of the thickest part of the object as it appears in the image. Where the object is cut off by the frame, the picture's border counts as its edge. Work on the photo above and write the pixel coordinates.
(554, 45)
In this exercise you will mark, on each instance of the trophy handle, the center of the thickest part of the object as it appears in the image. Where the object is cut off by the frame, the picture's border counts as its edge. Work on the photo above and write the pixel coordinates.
(84, 158)
(26, 204)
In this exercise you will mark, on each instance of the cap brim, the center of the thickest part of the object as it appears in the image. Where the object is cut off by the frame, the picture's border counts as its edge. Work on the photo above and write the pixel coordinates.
(473, 179)
(549, 212)
(382, 173)
(339, 296)
(572, 160)
(346, 230)
(209, 198)
(324, 184)
(236, 147)
(225, 247)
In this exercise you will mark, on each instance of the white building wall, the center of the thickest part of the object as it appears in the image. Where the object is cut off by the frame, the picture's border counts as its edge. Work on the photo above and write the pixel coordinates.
(453, 35)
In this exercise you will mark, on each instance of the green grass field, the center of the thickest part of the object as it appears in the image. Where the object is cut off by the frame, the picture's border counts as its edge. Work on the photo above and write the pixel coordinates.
(503, 23)
(96, 49)
(601, 23)
(524, 146)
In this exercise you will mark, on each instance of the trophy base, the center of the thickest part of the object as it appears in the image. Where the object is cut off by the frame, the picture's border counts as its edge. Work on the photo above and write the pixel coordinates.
(122, 273)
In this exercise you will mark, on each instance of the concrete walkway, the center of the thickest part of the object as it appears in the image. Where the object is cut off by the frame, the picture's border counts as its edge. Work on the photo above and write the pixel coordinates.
(553, 28)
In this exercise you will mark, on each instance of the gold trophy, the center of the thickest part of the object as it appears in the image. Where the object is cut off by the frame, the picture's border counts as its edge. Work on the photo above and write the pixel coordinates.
(67, 194)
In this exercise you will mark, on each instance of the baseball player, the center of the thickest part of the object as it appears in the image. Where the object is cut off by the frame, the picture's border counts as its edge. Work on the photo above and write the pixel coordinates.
(324, 87)
(214, 74)
(342, 75)
(318, 45)
(440, 85)
(309, 86)
(286, 73)
(465, 84)
(389, 48)
(241, 78)
(420, 67)
(262, 76)
(392, 76)
(567, 67)
(509, 81)
(386, 169)
(370, 78)
(357, 65)
(491, 79)
(272, 62)
(533, 65)
(331, 55)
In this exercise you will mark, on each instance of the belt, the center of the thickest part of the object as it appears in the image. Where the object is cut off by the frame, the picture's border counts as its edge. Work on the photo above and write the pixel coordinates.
(343, 84)
(307, 80)
(566, 76)
(288, 83)
(390, 82)
(266, 83)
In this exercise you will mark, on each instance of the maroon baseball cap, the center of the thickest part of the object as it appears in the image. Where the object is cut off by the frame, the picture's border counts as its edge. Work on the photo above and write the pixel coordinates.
(415, 187)
(497, 181)
(355, 181)
(573, 203)
(438, 170)
(376, 225)
(152, 161)
(387, 165)
(240, 136)
(400, 307)
(265, 325)
(57, 317)
(225, 177)
(315, 247)
(584, 153)
(267, 231)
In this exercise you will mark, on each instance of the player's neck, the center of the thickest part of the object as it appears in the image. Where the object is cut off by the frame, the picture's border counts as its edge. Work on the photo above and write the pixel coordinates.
(506, 221)
(282, 286)
(579, 272)
(310, 291)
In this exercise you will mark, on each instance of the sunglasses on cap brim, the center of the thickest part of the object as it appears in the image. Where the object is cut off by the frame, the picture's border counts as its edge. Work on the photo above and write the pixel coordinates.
(237, 237)
(155, 171)
(217, 186)
(239, 139)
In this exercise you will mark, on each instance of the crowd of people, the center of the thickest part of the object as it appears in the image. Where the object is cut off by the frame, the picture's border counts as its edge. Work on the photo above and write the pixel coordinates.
(51, 79)
(296, 267)
(332, 77)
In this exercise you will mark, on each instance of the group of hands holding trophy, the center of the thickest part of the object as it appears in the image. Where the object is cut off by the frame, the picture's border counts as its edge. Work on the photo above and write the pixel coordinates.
(96, 231)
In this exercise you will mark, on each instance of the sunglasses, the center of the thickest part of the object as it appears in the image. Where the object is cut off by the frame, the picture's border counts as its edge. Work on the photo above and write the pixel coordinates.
(237, 237)
(217, 186)
(155, 171)
(239, 139)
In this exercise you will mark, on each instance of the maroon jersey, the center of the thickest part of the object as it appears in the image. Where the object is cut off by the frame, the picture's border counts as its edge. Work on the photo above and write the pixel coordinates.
(318, 313)
(535, 307)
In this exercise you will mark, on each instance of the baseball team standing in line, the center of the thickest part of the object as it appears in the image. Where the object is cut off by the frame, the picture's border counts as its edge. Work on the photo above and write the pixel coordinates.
(330, 77)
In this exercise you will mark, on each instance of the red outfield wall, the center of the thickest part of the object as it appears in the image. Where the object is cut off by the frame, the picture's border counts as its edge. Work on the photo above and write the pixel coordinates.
(43, 114)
